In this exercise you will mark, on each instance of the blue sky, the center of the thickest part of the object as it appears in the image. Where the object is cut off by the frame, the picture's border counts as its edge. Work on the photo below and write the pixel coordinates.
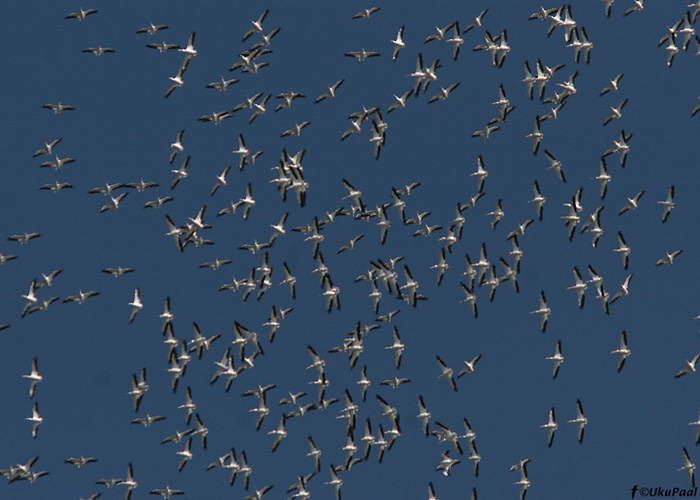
(121, 130)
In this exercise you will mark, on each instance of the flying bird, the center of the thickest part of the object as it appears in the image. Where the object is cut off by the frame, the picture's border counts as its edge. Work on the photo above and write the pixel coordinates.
(469, 366)
(99, 50)
(620, 147)
(477, 23)
(136, 305)
(57, 163)
(81, 297)
(551, 426)
(47, 149)
(689, 368)
(669, 258)
(114, 202)
(80, 16)
(222, 84)
(81, 461)
(424, 415)
(536, 135)
(524, 483)
(56, 187)
(36, 420)
(177, 146)
(481, 173)
(558, 359)
(330, 92)
(632, 203)
(447, 373)
(366, 13)
(555, 165)
(296, 130)
(177, 79)
(580, 420)
(624, 288)
(34, 378)
(163, 46)
(668, 204)
(180, 173)
(439, 33)
(58, 108)
(689, 467)
(616, 112)
(623, 351)
(614, 83)
(398, 44)
(543, 311)
(152, 29)
(361, 55)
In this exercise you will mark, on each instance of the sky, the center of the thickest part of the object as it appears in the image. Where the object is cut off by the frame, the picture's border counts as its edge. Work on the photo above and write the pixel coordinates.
(121, 131)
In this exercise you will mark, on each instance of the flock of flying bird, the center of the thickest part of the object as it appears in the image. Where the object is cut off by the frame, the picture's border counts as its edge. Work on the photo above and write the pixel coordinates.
(385, 276)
